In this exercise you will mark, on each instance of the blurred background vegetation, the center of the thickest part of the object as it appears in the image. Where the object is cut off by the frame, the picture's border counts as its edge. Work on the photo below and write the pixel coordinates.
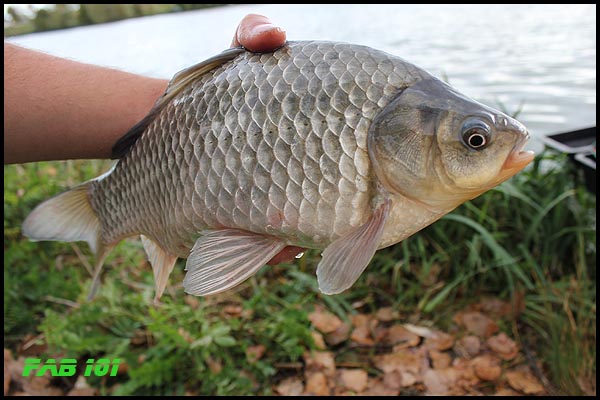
(19, 21)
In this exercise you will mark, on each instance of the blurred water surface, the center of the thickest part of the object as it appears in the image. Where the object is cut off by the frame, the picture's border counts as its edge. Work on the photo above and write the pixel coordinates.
(543, 56)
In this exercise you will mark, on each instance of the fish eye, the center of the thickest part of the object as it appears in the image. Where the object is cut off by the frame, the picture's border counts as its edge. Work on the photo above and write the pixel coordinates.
(476, 134)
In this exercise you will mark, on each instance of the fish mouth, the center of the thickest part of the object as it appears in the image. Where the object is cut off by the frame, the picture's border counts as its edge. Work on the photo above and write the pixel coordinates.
(517, 159)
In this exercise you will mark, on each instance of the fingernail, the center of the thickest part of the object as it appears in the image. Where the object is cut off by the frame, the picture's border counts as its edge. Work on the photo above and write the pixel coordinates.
(266, 27)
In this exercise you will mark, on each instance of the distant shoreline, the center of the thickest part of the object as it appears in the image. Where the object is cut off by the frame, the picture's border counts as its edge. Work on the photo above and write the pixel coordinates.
(66, 16)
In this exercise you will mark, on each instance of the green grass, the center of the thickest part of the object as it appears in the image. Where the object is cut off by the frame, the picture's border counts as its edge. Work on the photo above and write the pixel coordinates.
(531, 240)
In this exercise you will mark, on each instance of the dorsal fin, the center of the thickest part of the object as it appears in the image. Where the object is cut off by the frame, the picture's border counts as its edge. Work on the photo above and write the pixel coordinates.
(176, 85)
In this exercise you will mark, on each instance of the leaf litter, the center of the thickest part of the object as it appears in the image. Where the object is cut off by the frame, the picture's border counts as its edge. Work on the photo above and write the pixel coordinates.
(387, 357)
(473, 358)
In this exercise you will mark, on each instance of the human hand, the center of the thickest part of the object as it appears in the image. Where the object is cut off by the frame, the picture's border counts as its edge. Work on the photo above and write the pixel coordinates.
(257, 33)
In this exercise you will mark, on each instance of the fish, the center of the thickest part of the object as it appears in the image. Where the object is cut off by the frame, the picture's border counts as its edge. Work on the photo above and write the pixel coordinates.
(320, 145)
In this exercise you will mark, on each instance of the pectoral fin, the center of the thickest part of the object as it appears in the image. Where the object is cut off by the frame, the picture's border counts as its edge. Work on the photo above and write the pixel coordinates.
(162, 265)
(345, 259)
(222, 259)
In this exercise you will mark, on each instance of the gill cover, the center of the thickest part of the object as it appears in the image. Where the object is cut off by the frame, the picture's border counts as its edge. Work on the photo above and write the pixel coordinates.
(401, 137)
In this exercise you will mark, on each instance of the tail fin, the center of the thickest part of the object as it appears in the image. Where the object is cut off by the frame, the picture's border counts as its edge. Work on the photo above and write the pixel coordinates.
(69, 217)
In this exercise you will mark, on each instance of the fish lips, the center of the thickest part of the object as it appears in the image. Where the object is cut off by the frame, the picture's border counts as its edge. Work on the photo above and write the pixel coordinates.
(517, 159)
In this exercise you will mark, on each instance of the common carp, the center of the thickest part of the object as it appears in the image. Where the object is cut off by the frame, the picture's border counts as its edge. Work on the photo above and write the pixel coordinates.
(319, 145)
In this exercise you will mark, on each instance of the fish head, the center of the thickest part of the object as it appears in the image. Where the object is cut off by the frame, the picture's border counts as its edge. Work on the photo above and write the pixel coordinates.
(441, 148)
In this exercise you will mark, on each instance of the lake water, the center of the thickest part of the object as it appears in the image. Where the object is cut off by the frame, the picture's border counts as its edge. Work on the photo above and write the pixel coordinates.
(543, 56)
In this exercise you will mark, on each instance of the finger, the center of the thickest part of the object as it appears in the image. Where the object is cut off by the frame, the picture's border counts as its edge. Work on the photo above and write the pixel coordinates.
(257, 33)
(287, 254)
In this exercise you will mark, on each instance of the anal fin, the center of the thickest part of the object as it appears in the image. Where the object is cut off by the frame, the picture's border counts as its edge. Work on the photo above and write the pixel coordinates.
(162, 265)
(346, 258)
(222, 259)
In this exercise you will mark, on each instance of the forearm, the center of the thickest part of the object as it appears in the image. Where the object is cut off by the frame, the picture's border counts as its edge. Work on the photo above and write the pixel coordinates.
(61, 109)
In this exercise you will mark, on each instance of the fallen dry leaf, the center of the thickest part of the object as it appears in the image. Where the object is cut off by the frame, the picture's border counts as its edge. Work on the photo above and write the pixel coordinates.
(7, 361)
(185, 335)
(440, 360)
(318, 340)
(524, 382)
(291, 386)
(361, 335)
(363, 324)
(340, 390)
(467, 347)
(422, 331)
(15, 368)
(393, 380)
(463, 372)
(379, 333)
(40, 386)
(400, 337)
(324, 321)
(506, 391)
(215, 366)
(82, 388)
(409, 379)
(254, 353)
(487, 367)
(376, 387)
(439, 341)
(456, 380)
(406, 361)
(340, 335)
(436, 382)
(316, 384)
(323, 361)
(353, 379)
(83, 392)
(503, 346)
(587, 385)
(496, 307)
(123, 367)
(233, 310)
(81, 383)
(359, 320)
(386, 314)
(434, 339)
(477, 323)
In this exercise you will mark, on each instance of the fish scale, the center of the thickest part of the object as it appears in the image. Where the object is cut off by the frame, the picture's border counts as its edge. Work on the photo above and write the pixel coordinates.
(272, 144)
